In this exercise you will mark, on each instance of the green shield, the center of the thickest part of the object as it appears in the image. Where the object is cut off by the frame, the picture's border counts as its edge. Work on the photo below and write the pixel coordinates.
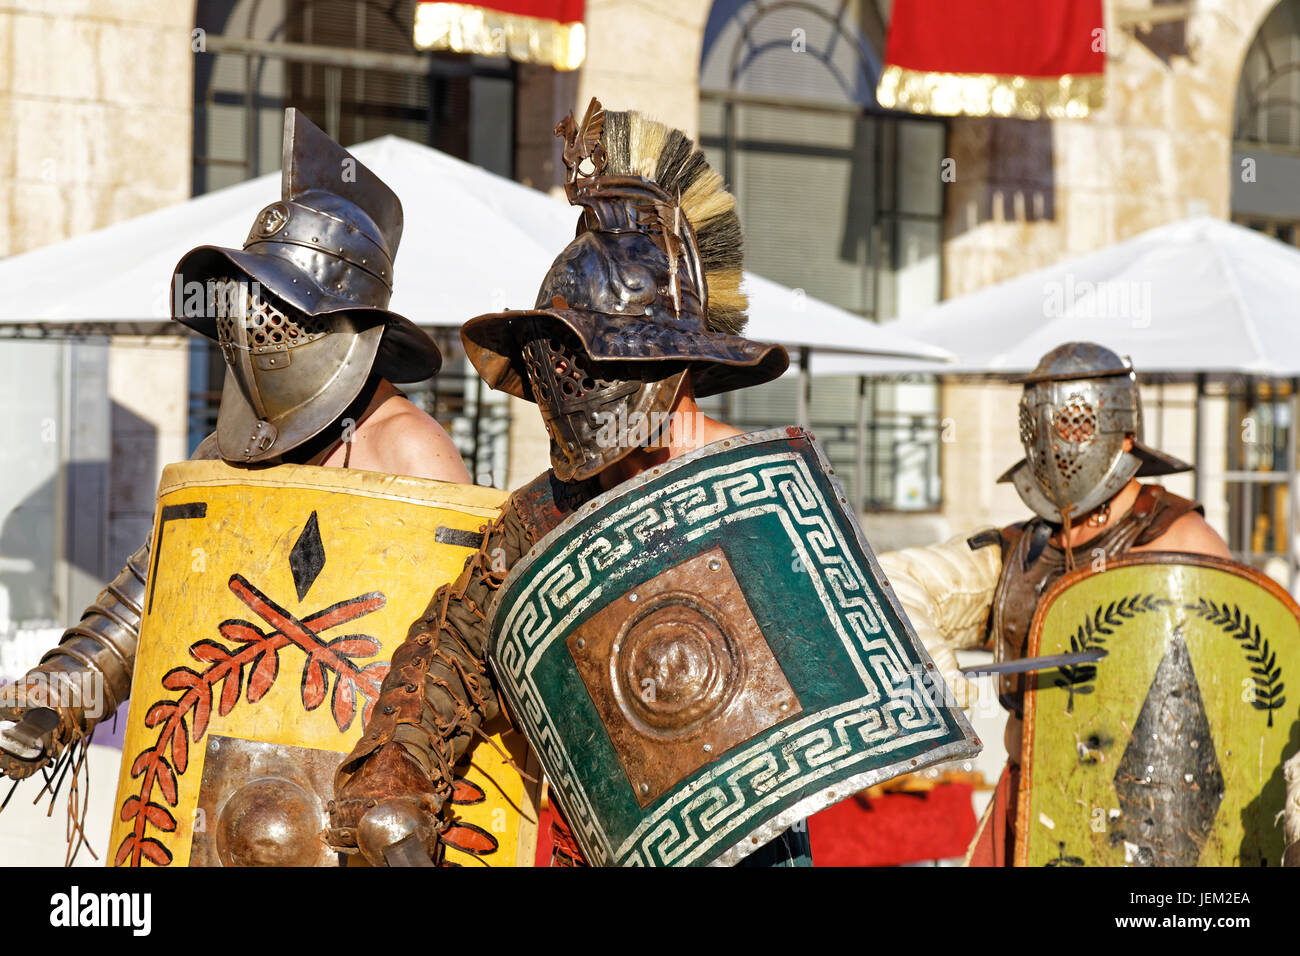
(1168, 751)
(708, 653)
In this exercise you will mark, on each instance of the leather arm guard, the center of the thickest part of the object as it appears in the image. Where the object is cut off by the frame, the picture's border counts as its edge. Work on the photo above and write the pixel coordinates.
(437, 694)
(86, 676)
(946, 591)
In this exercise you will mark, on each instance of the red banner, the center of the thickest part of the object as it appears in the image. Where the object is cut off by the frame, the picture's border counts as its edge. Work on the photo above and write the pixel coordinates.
(894, 828)
(1023, 58)
(549, 32)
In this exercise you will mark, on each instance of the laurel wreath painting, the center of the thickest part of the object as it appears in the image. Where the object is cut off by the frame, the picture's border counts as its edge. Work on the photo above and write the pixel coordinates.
(1266, 672)
(461, 834)
(1092, 634)
(255, 653)
(1264, 668)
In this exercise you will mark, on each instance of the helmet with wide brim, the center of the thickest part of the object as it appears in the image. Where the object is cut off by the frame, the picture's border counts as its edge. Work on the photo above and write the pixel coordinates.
(718, 362)
(1154, 463)
(317, 271)
(405, 352)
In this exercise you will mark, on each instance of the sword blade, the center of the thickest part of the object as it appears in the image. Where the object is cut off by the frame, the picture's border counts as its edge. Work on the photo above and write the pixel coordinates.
(1027, 664)
(408, 851)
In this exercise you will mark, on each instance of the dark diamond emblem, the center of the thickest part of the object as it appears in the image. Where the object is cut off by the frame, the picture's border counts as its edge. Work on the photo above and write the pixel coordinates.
(307, 557)
(1169, 783)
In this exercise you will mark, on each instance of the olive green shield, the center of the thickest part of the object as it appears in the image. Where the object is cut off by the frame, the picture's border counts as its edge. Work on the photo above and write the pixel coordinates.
(708, 653)
(1169, 750)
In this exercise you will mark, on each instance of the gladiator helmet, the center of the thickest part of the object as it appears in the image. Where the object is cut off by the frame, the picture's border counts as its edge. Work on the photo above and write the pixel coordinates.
(648, 290)
(1079, 404)
(301, 312)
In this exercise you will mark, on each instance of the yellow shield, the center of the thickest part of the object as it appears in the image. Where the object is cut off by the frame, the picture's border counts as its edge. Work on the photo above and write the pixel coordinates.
(1169, 750)
(274, 602)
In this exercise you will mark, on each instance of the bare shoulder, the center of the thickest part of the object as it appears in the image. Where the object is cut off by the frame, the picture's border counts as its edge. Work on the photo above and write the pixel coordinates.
(404, 440)
(1191, 533)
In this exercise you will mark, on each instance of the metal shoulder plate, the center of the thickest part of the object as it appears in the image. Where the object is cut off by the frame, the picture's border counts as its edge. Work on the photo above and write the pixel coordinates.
(709, 653)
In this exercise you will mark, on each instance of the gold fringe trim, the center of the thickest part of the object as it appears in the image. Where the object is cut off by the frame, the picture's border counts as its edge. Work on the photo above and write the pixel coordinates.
(991, 94)
(463, 28)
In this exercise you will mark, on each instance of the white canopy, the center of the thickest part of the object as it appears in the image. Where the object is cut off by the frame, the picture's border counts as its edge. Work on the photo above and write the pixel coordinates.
(1200, 295)
(474, 242)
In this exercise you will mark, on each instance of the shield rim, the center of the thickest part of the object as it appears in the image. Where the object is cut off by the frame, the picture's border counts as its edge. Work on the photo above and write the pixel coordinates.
(967, 746)
(1067, 581)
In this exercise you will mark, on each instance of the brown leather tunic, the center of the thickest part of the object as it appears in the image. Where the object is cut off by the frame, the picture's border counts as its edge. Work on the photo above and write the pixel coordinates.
(1024, 581)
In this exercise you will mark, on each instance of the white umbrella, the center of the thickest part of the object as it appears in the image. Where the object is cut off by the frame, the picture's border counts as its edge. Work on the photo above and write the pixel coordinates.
(1199, 295)
(787, 316)
(473, 242)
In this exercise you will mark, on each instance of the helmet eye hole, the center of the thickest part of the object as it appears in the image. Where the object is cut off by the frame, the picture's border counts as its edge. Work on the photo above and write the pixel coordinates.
(1076, 422)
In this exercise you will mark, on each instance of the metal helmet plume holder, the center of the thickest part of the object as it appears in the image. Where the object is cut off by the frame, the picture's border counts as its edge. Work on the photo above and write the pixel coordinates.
(632, 288)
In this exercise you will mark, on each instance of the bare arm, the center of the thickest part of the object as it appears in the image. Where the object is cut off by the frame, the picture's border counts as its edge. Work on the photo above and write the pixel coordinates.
(400, 439)
(1190, 533)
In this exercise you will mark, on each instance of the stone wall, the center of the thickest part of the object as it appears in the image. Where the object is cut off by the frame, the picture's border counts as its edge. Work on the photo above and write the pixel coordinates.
(646, 56)
(95, 107)
(95, 128)
(1029, 194)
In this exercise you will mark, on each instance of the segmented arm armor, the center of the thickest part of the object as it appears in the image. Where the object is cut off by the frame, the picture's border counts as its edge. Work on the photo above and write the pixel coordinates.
(96, 655)
(437, 694)
(88, 675)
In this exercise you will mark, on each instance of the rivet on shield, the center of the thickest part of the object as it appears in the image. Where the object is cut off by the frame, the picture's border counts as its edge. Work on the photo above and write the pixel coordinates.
(580, 643)
(715, 564)
(214, 744)
(632, 597)
(645, 788)
(708, 748)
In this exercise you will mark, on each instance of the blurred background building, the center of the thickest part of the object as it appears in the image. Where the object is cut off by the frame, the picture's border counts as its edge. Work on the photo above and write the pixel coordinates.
(112, 108)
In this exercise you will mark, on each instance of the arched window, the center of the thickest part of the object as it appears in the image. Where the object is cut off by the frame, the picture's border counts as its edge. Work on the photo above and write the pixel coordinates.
(1265, 195)
(1266, 128)
(839, 198)
(351, 65)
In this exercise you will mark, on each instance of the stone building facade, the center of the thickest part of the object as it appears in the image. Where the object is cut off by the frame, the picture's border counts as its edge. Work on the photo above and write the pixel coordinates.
(97, 112)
